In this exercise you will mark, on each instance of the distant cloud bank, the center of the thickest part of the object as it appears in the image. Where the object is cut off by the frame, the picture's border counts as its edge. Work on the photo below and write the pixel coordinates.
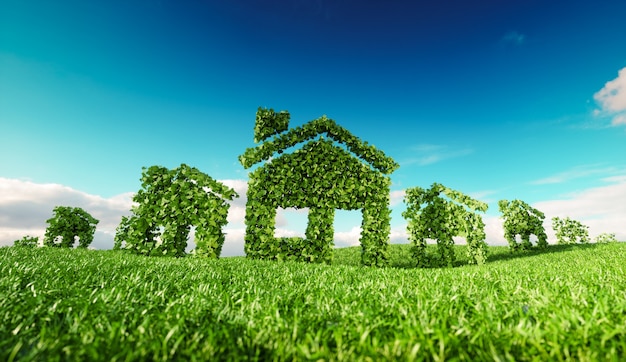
(25, 206)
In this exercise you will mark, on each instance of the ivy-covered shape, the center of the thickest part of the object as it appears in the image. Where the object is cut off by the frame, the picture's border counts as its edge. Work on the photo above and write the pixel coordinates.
(70, 223)
(168, 205)
(29, 242)
(431, 216)
(569, 231)
(313, 129)
(323, 175)
(606, 238)
(523, 220)
(269, 123)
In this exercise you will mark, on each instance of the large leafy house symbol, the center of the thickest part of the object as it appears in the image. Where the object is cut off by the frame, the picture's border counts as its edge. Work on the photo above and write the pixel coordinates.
(332, 170)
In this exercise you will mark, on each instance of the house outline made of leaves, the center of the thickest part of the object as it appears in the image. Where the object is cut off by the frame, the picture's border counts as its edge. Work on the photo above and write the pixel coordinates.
(332, 170)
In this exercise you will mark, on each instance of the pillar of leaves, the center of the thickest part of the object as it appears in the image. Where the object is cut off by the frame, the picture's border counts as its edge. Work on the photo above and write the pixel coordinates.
(322, 177)
(430, 216)
(523, 220)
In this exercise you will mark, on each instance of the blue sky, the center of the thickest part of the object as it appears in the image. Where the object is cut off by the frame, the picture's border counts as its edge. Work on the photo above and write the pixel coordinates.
(515, 99)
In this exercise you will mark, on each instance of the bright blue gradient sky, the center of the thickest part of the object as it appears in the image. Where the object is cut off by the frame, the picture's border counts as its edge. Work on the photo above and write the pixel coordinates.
(498, 99)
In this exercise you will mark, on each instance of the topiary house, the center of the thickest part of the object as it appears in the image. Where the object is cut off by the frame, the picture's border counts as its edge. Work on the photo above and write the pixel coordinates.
(431, 216)
(523, 220)
(332, 170)
(168, 205)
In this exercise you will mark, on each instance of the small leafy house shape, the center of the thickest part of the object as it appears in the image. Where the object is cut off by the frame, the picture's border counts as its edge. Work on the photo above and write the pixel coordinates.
(524, 220)
(332, 170)
(431, 216)
(175, 201)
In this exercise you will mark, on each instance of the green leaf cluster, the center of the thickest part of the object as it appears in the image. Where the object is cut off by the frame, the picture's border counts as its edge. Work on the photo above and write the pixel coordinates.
(27, 241)
(168, 205)
(68, 223)
(606, 238)
(269, 123)
(311, 130)
(323, 177)
(569, 231)
(524, 220)
(295, 248)
(430, 216)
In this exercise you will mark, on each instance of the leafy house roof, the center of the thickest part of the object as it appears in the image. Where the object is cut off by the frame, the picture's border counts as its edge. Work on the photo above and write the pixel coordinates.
(184, 176)
(312, 129)
(418, 196)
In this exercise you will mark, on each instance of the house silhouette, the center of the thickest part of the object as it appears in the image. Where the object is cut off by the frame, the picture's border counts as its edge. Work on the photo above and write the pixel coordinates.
(332, 170)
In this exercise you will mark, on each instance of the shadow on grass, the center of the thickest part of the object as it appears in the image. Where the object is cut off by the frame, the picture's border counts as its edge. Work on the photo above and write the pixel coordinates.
(506, 254)
(401, 256)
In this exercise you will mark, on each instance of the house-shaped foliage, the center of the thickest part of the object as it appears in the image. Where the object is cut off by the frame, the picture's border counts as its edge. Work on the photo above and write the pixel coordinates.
(523, 220)
(169, 204)
(332, 170)
(431, 216)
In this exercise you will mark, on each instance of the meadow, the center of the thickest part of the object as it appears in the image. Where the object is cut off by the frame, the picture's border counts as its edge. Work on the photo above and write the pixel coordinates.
(565, 303)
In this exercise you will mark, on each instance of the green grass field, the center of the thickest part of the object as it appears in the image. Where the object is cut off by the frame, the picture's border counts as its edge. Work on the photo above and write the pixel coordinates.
(568, 303)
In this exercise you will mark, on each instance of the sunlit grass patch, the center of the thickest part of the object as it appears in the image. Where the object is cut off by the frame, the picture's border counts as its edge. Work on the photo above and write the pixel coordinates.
(568, 302)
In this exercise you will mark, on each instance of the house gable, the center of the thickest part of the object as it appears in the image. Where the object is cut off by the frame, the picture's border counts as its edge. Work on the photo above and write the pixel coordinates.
(310, 177)
(320, 126)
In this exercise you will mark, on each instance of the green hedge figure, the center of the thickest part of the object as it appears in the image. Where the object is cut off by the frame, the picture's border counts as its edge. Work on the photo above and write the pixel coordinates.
(340, 172)
(442, 219)
(606, 238)
(523, 220)
(27, 242)
(172, 201)
(70, 223)
(569, 231)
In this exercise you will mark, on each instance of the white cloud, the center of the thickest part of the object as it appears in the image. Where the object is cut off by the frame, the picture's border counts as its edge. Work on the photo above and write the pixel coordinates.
(494, 230)
(348, 238)
(286, 233)
(576, 173)
(233, 243)
(25, 206)
(619, 119)
(601, 208)
(237, 210)
(427, 154)
(612, 99)
(398, 235)
(396, 197)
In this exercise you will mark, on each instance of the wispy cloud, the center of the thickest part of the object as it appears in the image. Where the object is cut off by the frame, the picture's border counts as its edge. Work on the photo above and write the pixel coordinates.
(483, 195)
(427, 154)
(611, 100)
(514, 37)
(577, 173)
